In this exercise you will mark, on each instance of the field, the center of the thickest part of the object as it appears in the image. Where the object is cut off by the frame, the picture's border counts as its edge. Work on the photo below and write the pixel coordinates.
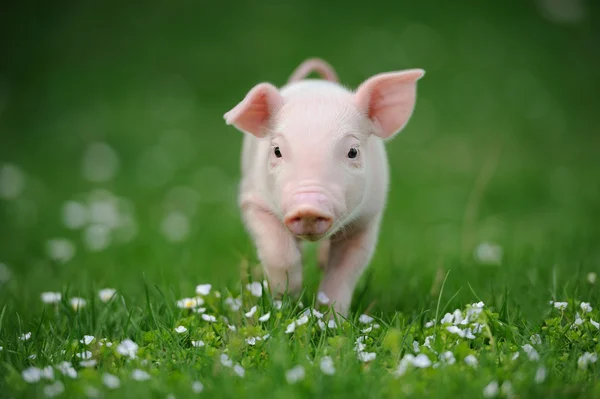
(118, 172)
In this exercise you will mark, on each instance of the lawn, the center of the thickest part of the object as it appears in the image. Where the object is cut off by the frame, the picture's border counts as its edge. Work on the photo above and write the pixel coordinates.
(125, 270)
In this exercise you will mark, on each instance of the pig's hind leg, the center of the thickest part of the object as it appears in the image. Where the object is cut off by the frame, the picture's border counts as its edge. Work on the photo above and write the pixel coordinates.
(277, 250)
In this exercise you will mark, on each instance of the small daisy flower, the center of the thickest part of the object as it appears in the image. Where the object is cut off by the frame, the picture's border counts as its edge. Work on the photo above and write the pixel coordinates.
(199, 310)
(77, 303)
(277, 304)
(32, 374)
(55, 389)
(578, 320)
(421, 361)
(365, 319)
(540, 375)
(48, 373)
(255, 289)
(128, 348)
(105, 342)
(198, 344)
(302, 320)
(331, 324)
(251, 312)
(51, 297)
(295, 374)
(234, 304)
(472, 361)
(591, 277)
(231, 327)
(25, 337)
(491, 390)
(265, 317)
(456, 330)
(140, 375)
(317, 314)
(190, 303)
(251, 340)
(326, 365)
(106, 294)
(595, 324)
(536, 339)
(197, 387)
(88, 363)
(532, 354)
(322, 298)
(448, 318)
(586, 307)
(67, 369)
(203, 289)
(180, 329)
(209, 318)
(291, 327)
(84, 355)
(366, 356)
(416, 348)
(430, 324)
(87, 339)
(225, 360)
(586, 359)
(448, 358)
(321, 324)
(507, 389)
(239, 370)
(560, 305)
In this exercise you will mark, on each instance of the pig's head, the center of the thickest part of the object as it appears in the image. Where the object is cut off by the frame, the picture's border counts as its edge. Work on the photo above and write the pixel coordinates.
(320, 136)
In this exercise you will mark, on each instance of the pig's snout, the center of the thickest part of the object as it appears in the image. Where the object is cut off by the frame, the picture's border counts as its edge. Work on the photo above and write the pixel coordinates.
(309, 217)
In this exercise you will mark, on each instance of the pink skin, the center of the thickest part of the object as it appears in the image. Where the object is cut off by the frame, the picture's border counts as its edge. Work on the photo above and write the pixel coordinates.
(314, 167)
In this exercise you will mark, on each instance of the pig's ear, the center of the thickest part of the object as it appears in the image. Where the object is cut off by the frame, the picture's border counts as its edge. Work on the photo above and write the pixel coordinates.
(389, 99)
(253, 113)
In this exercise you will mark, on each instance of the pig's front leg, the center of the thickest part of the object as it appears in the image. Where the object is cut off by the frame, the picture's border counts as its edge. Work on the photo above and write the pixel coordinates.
(349, 255)
(277, 250)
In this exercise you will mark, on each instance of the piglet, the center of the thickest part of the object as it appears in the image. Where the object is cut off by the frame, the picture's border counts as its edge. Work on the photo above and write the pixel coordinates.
(314, 168)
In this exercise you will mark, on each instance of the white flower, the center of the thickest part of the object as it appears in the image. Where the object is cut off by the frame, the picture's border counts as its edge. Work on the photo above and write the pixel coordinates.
(536, 339)
(507, 389)
(197, 387)
(25, 337)
(106, 294)
(532, 354)
(277, 304)
(591, 277)
(456, 330)
(469, 334)
(421, 361)
(111, 381)
(234, 304)
(578, 320)
(84, 355)
(416, 348)
(252, 340)
(96, 237)
(74, 215)
(180, 329)
(266, 336)
(209, 318)
(359, 346)
(302, 320)
(88, 363)
(55, 389)
(560, 305)
(586, 307)
(586, 359)
(264, 317)
(251, 312)
(225, 360)
(471, 361)
(51, 297)
(140, 375)
(78, 303)
(515, 356)
(448, 358)
(255, 288)
(60, 250)
(291, 327)
(295, 374)
(199, 310)
(458, 317)
(366, 356)
(322, 298)
(595, 324)
(190, 303)
(430, 324)
(231, 327)
(48, 373)
(87, 339)
(67, 369)
(327, 366)
(239, 370)
(448, 318)
(128, 348)
(198, 344)
(540, 375)
(405, 362)
(491, 390)
(331, 324)
(32, 357)
(203, 289)
(365, 319)
(104, 341)
(32, 374)
(369, 329)
(488, 253)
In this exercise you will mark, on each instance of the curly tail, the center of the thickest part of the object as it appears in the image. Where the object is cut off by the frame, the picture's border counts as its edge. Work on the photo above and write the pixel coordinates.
(314, 65)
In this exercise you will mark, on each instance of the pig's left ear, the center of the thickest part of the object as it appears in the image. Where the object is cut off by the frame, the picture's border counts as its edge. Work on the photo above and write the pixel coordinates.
(389, 99)
(252, 115)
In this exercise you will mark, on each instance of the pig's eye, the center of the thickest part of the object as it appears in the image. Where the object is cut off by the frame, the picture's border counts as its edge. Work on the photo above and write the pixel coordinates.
(277, 152)
(352, 153)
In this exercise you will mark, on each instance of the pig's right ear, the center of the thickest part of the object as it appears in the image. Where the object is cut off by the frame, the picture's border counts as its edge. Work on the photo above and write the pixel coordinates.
(252, 115)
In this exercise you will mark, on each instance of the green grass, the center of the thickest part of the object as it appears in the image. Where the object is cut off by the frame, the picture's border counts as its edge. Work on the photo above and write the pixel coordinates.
(502, 149)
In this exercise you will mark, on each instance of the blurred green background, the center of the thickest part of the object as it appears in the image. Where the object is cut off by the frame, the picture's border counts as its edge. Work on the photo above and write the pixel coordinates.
(502, 148)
